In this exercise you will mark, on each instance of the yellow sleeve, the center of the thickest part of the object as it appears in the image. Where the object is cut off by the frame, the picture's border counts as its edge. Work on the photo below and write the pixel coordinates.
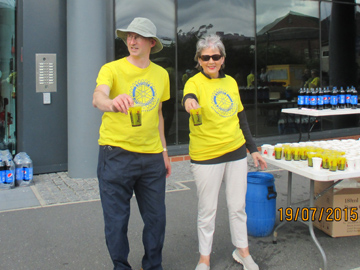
(105, 76)
(190, 88)
(166, 93)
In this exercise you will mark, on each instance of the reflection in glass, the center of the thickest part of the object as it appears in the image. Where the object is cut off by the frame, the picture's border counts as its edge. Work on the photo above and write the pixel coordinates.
(233, 22)
(162, 14)
(341, 37)
(291, 41)
(7, 76)
(340, 53)
(288, 45)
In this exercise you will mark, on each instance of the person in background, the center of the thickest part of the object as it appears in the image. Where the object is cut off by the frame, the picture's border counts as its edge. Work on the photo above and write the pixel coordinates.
(133, 159)
(263, 77)
(250, 79)
(218, 150)
(314, 81)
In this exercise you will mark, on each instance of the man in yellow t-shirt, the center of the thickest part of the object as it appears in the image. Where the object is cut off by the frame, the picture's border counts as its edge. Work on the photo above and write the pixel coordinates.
(250, 79)
(133, 159)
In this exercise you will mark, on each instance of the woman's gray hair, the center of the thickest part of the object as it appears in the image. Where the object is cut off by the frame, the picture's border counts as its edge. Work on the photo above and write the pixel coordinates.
(211, 41)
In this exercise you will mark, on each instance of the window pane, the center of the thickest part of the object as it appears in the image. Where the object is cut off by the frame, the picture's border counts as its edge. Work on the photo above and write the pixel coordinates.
(339, 54)
(233, 21)
(7, 76)
(287, 45)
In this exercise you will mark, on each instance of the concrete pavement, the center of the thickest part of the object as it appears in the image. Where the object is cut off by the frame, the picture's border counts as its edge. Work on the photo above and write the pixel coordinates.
(57, 224)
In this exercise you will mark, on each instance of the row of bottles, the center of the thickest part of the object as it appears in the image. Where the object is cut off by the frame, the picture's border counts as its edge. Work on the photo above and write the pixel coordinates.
(15, 172)
(324, 98)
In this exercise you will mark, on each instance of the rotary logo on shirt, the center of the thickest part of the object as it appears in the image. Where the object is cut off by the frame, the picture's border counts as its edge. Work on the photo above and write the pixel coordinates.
(144, 95)
(222, 103)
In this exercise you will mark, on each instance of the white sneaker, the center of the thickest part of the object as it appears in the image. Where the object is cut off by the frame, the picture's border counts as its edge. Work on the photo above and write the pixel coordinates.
(247, 262)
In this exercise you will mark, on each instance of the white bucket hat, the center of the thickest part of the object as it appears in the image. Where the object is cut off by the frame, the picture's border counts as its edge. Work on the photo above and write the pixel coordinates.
(143, 27)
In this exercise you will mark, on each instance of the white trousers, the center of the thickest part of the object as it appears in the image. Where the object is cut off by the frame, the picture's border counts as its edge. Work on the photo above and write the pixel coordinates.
(208, 179)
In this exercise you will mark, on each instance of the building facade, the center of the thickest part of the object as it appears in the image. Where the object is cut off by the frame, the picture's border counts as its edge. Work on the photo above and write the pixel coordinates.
(51, 51)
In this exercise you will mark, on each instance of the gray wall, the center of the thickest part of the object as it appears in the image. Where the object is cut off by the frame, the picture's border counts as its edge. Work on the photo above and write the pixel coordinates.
(62, 135)
(87, 32)
(42, 129)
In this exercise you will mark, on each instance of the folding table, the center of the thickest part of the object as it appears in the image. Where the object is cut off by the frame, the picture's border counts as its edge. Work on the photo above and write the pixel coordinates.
(317, 113)
(301, 168)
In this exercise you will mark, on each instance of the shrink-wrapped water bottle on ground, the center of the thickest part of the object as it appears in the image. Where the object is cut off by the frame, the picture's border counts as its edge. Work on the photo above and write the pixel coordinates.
(10, 172)
(18, 170)
(7, 170)
(2, 175)
(28, 169)
(24, 169)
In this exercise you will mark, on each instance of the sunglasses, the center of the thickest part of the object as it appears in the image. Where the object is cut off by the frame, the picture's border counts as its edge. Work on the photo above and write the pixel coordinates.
(215, 57)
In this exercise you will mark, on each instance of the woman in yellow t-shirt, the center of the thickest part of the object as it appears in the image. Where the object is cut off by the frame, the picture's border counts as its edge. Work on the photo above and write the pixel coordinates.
(314, 81)
(218, 149)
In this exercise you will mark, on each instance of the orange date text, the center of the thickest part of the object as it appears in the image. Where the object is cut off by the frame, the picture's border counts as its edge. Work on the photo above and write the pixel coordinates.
(318, 214)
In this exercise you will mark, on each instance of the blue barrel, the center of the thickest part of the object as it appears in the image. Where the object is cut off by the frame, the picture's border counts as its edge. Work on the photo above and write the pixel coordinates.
(260, 203)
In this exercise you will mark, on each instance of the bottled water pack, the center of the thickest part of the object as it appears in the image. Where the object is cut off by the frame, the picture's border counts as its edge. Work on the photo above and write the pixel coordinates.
(23, 169)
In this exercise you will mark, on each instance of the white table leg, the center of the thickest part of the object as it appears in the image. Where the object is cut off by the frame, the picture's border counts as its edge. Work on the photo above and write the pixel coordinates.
(311, 227)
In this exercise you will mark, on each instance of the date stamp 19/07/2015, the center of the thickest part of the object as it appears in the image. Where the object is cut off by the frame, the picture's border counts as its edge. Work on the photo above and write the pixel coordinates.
(318, 214)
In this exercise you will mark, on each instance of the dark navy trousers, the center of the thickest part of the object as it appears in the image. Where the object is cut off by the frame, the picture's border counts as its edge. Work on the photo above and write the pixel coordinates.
(121, 174)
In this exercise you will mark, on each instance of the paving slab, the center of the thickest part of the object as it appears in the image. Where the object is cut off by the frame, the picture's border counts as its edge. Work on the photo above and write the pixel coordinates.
(17, 198)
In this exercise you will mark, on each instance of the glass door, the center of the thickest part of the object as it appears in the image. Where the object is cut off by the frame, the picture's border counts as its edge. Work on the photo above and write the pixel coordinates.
(7, 76)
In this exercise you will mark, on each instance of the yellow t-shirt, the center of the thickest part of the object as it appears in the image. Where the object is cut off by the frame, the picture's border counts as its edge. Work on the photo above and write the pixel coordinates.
(315, 82)
(148, 87)
(220, 102)
(250, 80)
